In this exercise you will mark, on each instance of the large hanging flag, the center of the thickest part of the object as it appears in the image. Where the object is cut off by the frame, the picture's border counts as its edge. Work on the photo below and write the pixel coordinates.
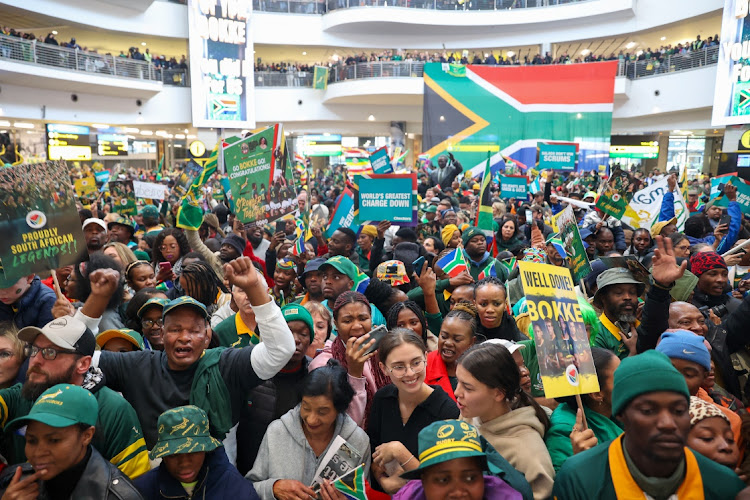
(517, 107)
(453, 263)
(320, 78)
(484, 220)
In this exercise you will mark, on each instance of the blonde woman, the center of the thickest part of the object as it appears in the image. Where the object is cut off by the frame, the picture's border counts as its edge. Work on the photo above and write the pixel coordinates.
(120, 252)
(11, 354)
(323, 325)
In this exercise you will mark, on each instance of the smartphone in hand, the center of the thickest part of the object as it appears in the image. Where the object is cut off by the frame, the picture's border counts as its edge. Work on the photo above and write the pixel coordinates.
(376, 333)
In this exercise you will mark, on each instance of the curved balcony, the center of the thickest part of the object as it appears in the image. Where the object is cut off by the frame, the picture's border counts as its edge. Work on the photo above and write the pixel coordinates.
(323, 6)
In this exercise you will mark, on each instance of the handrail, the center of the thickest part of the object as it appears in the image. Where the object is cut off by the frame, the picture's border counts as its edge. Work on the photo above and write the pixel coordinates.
(404, 69)
(323, 6)
(37, 52)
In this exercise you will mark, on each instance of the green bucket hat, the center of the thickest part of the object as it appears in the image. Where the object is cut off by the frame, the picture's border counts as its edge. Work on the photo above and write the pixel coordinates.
(131, 336)
(446, 440)
(296, 312)
(154, 301)
(185, 301)
(184, 429)
(62, 405)
(615, 276)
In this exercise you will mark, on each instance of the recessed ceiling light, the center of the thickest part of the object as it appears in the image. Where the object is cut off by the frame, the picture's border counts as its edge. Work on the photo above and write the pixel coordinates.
(511, 53)
(23, 125)
(304, 53)
(131, 130)
(143, 43)
(585, 52)
(99, 125)
(54, 32)
(371, 118)
(630, 45)
(442, 118)
(663, 38)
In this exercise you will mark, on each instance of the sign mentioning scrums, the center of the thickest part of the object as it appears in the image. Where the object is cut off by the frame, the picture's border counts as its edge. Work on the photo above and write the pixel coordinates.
(221, 63)
(732, 94)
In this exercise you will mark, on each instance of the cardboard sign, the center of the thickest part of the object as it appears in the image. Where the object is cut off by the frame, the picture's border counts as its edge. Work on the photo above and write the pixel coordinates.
(513, 186)
(380, 162)
(40, 223)
(390, 197)
(573, 244)
(149, 190)
(123, 197)
(562, 344)
(343, 214)
(260, 177)
(557, 156)
(86, 187)
(616, 194)
(743, 192)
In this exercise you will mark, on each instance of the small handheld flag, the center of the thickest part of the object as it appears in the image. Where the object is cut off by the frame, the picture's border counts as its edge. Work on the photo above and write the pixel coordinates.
(352, 484)
(453, 263)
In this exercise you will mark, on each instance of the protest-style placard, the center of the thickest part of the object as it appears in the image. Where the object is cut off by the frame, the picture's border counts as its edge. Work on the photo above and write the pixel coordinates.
(391, 197)
(102, 177)
(743, 192)
(557, 156)
(86, 187)
(562, 344)
(40, 223)
(260, 177)
(513, 186)
(123, 197)
(343, 213)
(380, 162)
(616, 194)
(227, 192)
(568, 228)
(149, 190)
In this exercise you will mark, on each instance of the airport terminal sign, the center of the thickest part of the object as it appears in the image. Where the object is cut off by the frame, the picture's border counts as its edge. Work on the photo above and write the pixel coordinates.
(221, 63)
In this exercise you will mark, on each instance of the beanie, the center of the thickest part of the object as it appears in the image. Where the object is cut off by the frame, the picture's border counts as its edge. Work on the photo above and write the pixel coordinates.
(296, 312)
(236, 242)
(370, 231)
(648, 372)
(470, 233)
(682, 344)
(706, 261)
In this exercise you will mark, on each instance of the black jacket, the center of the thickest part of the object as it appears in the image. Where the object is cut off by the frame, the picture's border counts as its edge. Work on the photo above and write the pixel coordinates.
(452, 170)
(100, 481)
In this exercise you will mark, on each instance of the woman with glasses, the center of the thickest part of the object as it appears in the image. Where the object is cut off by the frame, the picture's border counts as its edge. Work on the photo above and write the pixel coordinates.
(170, 246)
(403, 408)
(681, 245)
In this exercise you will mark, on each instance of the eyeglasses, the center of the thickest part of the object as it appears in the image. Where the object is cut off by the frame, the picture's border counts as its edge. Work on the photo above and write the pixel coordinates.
(48, 353)
(147, 323)
(399, 371)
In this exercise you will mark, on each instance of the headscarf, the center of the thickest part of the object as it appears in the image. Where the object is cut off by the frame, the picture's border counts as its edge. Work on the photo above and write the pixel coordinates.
(447, 233)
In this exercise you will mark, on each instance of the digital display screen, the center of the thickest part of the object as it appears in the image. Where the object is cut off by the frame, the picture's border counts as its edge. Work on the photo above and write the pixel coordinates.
(644, 151)
(743, 161)
(68, 142)
(321, 145)
(112, 145)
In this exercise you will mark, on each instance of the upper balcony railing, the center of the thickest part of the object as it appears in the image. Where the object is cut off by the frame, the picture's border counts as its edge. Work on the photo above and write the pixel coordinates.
(37, 52)
(402, 69)
(323, 6)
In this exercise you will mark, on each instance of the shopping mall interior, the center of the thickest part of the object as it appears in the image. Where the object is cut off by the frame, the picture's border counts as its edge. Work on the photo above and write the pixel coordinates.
(130, 80)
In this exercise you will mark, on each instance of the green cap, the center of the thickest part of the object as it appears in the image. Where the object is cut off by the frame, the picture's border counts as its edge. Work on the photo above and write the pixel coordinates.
(62, 405)
(296, 312)
(185, 301)
(184, 429)
(149, 211)
(153, 301)
(650, 371)
(342, 265)
(430, 209)
(123, 221)
(446, 440)
(131, 336)
(141, 255)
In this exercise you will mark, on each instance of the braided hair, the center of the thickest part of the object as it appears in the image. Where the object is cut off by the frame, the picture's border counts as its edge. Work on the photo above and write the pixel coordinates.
(202, 283)
(391, 319)
(465, 311)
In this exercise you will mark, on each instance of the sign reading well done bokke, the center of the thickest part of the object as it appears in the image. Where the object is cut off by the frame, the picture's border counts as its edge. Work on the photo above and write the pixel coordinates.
(390, 197)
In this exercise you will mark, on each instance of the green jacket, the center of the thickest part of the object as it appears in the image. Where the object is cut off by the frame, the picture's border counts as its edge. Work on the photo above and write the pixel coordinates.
(608, 337)
(589, 475)
(532, 363)
(210, 391)
(563, 419)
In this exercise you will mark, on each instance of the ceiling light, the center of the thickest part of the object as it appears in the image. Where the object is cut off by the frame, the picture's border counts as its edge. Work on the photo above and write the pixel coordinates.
(511, 53)
(304, 53)
(147, 132)
(192, 136)
(639, 53)
(326, 134)
(23, 125)
(630, 45)
(4, 123)
(179, 136)
(54, 32)
(335, 57)
(585, 52)
(186, 131)
(579, 116)
(442, 118)
(161, 132)
(663, 38)
(131, 130)
(371, 118)
(139, 120)
(99, 125)
(287, 133)
(143, 43)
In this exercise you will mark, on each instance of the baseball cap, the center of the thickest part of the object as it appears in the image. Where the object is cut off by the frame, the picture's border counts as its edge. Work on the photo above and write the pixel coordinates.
(149, 211)
(131, 336)
(65, 332)
(508, 344)
(342, 265)
(94, 220)
(123, 221)
(185, 301)
(153, 301)
(184, 429)
(312, 266)
(61, 405)
(446, 440)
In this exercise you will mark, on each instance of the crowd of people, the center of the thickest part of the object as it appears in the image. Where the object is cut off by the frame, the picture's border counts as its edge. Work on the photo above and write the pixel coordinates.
(495, 57)
(225, 361)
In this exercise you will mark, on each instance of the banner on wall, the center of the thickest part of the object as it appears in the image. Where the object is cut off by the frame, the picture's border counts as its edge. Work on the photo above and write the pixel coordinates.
(732, 90)
(260, 177)
(391, 197)
(562, 344)
(40, 223)
(221, 63)
(512, 106)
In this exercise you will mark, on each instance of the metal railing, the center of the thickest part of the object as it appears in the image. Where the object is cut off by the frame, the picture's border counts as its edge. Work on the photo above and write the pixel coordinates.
(37, 52)
(323, 6)
(669, 64)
